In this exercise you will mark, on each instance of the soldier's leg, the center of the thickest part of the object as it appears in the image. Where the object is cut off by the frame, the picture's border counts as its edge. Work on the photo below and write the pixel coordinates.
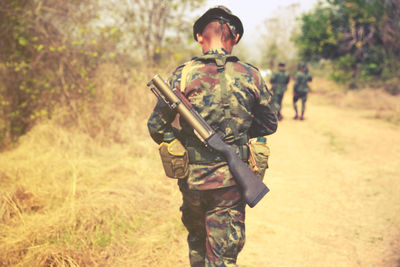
(295, 98)
(275, 101)
(193, 214)
(279, 101)
(280, 98)
(303, 105)
(225, 227)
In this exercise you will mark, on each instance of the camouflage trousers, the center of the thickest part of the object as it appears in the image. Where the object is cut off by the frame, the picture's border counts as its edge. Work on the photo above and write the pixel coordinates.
(303, 97)
(277, 99)
(215, 222)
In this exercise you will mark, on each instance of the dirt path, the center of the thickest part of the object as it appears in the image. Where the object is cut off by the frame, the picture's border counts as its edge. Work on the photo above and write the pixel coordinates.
(335, 193)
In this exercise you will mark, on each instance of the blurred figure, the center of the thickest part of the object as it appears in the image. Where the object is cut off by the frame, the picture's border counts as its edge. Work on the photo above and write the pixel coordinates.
(279, 81)
(301, 89)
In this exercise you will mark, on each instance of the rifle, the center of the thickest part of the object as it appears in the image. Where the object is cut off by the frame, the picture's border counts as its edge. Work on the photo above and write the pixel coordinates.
(253, 189)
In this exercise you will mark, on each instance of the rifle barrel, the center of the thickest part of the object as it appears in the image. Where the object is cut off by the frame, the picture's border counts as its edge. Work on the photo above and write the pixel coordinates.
(186, 111)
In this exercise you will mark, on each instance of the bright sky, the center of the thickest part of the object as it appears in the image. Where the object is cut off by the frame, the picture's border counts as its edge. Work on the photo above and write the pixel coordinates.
(253, 13)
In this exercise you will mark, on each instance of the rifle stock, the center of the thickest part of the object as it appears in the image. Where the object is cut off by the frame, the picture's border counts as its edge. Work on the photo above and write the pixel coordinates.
(253, 189)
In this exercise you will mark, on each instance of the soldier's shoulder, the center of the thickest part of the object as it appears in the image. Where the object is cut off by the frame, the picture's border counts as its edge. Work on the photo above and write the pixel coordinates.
(250, 74)
(250, 65)
(180, 67)
(249, 68)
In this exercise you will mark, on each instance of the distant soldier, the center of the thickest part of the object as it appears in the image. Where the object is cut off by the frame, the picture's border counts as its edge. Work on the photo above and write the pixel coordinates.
(279, 81)
(233, 98)
(301, 89)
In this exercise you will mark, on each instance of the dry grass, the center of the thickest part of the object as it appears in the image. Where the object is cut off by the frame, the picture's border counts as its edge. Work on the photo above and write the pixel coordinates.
(93, 195)
(380, 104)
(93, 192)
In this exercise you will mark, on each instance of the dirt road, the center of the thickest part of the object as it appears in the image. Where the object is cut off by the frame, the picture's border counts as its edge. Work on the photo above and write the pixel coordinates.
(335, 193)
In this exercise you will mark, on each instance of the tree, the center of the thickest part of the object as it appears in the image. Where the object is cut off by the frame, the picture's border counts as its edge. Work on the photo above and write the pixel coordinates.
(46, 60)
(277, 44)
(152, 27)
(361, 37)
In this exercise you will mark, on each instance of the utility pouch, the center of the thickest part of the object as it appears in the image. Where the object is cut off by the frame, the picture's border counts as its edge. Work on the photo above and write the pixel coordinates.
(175, 159)
(258, 156)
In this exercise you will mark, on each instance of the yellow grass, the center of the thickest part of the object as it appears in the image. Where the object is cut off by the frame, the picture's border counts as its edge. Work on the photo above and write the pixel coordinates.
(93, 193)
(380, 104)
(90, 195)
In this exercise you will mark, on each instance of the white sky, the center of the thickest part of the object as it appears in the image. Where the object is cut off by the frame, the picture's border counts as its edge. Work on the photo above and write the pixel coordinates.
(253, 13)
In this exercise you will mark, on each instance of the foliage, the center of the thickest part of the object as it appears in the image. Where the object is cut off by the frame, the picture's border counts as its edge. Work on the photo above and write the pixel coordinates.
(50, 51)
(44, 59)
(153, 29)
(272, 54)
(75, 196)
(362, 38)
(277, 44)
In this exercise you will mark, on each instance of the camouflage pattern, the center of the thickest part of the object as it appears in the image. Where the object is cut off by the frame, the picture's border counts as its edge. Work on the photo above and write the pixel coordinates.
(303, 97)
(301, 89)
(279, 81)
(251, 109)
(215, 223)
(213, 210)
(222, 14)
(277, 99)
(301, 82)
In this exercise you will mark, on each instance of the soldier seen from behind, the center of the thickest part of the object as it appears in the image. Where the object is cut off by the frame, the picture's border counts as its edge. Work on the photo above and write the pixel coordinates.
(279, 81)
(233, 98)
(301, 89)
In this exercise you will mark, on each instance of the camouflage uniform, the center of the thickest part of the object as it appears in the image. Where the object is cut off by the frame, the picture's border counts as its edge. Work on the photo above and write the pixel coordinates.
(233, 98)
(279, 81)
(301, 90)
(213, 210)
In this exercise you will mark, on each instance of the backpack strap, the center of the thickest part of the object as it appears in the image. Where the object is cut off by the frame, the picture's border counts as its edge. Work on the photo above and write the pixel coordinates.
(228, 124)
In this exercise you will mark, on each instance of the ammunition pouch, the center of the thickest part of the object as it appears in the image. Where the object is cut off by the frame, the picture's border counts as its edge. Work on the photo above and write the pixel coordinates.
(258, 157)
(175, 159)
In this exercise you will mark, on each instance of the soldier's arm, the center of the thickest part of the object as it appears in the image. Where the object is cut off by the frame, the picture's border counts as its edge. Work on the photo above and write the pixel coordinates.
(287, 78)
(162, 116)
(160, 121)
(265, 121)
(297, 81)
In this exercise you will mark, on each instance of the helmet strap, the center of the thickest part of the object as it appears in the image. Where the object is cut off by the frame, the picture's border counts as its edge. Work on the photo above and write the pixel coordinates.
(231, 28)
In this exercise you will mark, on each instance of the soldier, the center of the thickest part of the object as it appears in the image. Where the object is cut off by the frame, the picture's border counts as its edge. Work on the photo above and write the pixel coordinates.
(301, 89)
(279, 81)
(233, 98)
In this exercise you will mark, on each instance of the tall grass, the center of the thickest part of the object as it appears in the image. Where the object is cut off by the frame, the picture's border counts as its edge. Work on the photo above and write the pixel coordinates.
(86, 188)
(92, 192)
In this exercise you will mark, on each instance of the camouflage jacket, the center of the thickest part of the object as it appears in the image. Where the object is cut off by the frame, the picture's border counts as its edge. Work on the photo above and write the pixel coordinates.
(301, 82)
(250, 112)
(279, 81)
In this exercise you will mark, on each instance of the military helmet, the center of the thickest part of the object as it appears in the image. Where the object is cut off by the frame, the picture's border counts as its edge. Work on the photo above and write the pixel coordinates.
(222, 14)
(282, 64)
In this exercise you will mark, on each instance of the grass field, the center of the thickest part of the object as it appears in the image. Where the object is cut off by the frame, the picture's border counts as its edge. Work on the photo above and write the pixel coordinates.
(93, 193)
